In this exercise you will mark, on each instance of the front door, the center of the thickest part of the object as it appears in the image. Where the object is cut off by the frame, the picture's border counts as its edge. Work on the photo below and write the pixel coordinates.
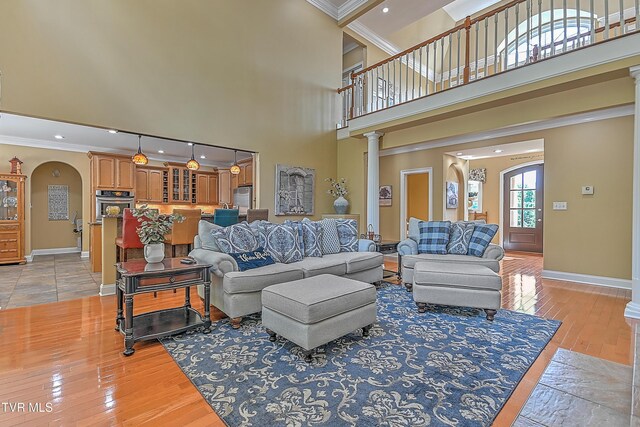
(523, 209)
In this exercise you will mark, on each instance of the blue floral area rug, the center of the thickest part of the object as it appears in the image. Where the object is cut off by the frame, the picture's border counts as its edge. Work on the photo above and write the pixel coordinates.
(447, 367)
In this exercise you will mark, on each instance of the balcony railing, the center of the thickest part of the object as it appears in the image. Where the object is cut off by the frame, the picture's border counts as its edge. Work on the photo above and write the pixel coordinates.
(512, 36)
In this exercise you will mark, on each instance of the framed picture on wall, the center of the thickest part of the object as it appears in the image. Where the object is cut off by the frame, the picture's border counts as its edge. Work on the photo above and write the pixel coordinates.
(452, 195)
(385, 196)
(295, 188)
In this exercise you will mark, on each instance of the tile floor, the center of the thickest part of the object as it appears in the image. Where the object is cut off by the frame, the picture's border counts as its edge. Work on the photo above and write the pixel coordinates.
(49, 278)
(579, 390)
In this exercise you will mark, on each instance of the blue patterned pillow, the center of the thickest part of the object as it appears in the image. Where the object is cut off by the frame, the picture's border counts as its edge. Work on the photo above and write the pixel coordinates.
(482, 235)
(236, 238)
(312, 237)
(347, 234)
(253, 259)
(434, 237)
(460, 238)
(330, 238)
(298, 226)
(282, 241)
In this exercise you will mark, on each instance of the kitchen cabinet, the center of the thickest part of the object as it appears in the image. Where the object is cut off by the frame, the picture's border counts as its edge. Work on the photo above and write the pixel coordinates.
(207, 188)
(112, 172)
(180, 185)
(12, 228)
(245, 177)
(149, 184)
(224, 186)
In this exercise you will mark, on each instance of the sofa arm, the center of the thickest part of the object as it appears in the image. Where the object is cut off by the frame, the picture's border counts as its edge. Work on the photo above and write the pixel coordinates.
(220, 263)
(197, 243)
(365, 245)
(494, 252)
(408, 247)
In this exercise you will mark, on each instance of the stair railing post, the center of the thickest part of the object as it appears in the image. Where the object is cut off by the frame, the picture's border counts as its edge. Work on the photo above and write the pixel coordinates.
(467, 56)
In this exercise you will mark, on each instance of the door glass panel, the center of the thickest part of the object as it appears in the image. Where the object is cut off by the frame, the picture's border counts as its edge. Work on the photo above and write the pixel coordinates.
(516, 218)
(529, 218)
(530, 179)
(516, 199)
(529, 199)
(516, 182)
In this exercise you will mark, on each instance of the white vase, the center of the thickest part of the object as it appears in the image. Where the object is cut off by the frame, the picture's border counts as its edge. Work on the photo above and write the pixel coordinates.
(341, 205)
(154, 252)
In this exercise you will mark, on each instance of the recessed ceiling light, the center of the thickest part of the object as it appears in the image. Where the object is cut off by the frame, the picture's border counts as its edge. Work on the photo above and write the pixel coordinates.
(161, 151)
(190, 143)
(202, 157)
(385, 9)
(58, 137)
(535, 150)
(112, 131)
(497, 151)
(458, 154)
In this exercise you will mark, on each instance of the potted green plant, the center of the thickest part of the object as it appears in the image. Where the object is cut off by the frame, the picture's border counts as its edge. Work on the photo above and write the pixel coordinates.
(338, 190)
(153, 227)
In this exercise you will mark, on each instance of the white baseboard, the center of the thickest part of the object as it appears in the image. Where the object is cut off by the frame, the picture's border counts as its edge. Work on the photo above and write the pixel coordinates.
(84, 255)
(52, 251)
(611, 282)
(109, 289)
(632, 310)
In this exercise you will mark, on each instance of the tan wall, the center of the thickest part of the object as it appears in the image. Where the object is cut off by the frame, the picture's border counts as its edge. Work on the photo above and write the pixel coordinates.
(595, 153)
(491, 188)
(417, 195)
(46, 234)
(352, 58)
(259, 77)
(454, 175)
(34, 157)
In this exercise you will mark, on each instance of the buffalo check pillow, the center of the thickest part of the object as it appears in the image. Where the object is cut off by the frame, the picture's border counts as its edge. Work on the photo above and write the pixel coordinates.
(481, 237)
(434, 237)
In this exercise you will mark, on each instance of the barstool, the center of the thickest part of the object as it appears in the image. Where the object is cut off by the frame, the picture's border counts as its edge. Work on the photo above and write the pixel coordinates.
(183, 233)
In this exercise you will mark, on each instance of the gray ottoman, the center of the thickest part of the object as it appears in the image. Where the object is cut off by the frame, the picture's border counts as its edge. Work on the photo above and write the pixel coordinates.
(465, 285)
(314, 311)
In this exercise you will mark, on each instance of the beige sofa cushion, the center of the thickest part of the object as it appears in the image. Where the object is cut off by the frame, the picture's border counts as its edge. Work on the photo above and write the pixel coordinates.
(329, 264)
(238, 282)
(409, 261)
(430, 273)
(318, 298)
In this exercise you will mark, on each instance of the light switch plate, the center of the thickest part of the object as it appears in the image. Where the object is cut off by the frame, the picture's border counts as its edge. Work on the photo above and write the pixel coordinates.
(559, 206)
(587, 190)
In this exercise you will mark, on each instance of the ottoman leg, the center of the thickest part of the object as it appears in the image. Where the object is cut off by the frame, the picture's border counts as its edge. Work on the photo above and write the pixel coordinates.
(490, 314)
(365, 330)
(409, 286)
(422, 307)
(272, 335)
(307, 355)
(235, 322)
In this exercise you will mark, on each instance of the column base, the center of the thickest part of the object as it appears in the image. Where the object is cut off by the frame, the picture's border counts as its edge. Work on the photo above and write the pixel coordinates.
(632, 310)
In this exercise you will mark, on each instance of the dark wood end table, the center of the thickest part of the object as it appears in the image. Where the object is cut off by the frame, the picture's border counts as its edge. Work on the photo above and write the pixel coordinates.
(138, 277)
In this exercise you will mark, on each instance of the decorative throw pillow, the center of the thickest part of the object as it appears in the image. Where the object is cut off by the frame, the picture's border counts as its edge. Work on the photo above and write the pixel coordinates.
(236, 238)
(205, 232)
(414, 229)
(347, 234)
(256, 227)
(481, 238)
(330, 238)
(434, 237)
(298, 226)
(253, 259)
(460, 237)
(282, 242)
(312, 238)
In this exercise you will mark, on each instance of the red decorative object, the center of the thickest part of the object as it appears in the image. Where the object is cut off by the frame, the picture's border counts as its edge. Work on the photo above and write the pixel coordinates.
(16, 166)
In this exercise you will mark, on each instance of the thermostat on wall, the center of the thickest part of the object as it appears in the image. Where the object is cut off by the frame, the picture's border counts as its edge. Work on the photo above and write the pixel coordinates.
(587, 189)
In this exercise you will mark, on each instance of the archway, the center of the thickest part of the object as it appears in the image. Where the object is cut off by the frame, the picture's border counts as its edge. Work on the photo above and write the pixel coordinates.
(454, 194)
(56, 208)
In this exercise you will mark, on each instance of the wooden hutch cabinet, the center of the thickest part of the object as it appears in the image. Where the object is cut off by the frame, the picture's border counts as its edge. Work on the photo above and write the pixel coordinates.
(12, 218)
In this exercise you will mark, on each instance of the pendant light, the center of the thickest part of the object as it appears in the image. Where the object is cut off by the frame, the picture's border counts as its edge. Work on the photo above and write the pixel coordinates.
(193, 163)
(140, 158)
(235, 169)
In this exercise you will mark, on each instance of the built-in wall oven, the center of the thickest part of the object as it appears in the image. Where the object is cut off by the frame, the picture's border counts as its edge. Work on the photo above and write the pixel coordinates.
(121, 199)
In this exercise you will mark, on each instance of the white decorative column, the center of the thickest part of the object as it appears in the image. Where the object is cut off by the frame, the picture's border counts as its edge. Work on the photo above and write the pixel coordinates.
(373, 180)
(633, 308)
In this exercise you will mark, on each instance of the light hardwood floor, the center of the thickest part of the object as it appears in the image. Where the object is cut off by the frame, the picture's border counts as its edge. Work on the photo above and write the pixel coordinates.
(68, 353)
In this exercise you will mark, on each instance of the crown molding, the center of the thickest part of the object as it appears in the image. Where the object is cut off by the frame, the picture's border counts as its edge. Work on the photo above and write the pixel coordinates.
(348, 7)
(364, 31)
(326, 7)
(75, 148)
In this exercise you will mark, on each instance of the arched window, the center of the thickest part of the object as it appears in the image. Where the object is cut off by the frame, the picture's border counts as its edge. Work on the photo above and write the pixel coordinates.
(531, 42)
